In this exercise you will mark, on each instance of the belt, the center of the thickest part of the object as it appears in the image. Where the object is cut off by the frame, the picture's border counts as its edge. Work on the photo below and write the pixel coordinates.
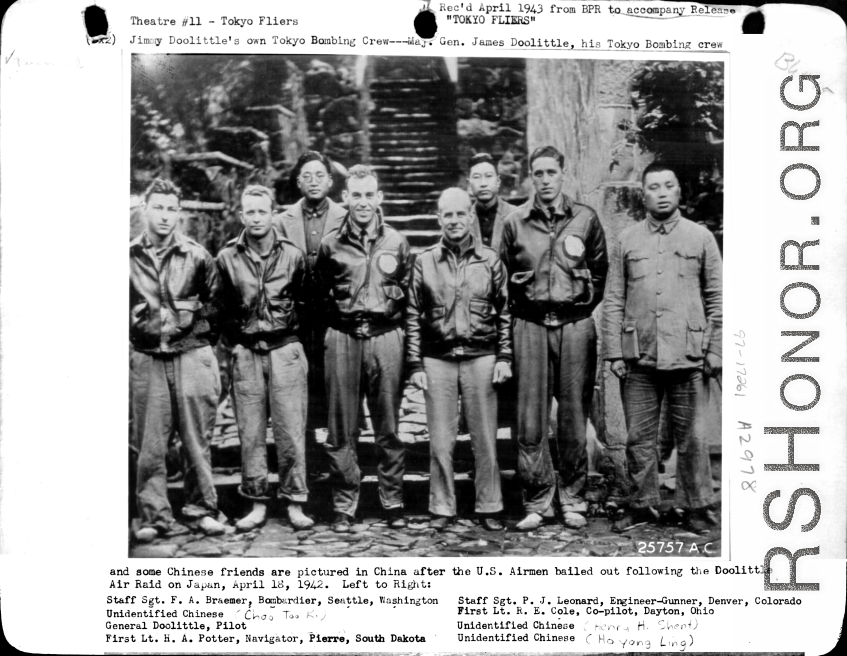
(271, 342)
(364, 328)
(554, 317)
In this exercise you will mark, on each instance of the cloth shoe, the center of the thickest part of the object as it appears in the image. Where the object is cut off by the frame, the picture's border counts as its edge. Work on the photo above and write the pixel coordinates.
(529, 523)
(394, 518)
(254, 519)
(211, 526)
(146, 534)
(492, 523)
(341, 523)
(298, 520)
(440, 522)
(635, 517)
(698, 521)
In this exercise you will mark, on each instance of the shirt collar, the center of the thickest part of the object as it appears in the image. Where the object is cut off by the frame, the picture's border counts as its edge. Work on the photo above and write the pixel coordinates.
(179, 241)
(562, 206)
(471, 246)
(353, 231)
(487, 212)
(241, 241)
(665, 226)
(320, 210)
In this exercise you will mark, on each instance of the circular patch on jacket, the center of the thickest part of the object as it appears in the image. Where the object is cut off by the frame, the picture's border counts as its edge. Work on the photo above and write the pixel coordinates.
(574, 247)
(387, 263)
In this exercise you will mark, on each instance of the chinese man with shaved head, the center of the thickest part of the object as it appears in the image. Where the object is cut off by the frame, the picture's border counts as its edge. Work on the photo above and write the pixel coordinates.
(459, 343)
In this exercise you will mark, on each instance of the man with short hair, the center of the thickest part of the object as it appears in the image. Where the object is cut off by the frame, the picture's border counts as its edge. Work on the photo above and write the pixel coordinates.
(459, 342)
(489, 213)
(262, 285)
(363, 268)
(305, 224)
(174, 372)
(555, 251)
(489, 210)
(662, 327)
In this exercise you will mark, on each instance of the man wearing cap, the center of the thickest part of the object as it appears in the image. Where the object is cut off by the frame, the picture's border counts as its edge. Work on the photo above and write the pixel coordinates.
(555, 252)
(459, 342)
(489, 211)
(175, 382)
(261, 299)
(363, 269)
(662, 326)
(305, 224)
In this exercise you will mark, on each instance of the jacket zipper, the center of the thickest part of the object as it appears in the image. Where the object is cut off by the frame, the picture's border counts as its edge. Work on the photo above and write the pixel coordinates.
(368, 257)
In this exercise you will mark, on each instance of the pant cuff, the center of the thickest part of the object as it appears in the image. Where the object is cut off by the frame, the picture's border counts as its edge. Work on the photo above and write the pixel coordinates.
(293, 498)
(254, 497)
(488, 508)
(696, 504)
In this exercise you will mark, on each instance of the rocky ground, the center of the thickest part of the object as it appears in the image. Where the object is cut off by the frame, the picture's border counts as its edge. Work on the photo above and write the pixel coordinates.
(372, 538)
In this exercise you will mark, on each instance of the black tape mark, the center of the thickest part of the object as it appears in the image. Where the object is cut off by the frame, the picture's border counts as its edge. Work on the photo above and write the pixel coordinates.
(425, 24)
(96, 23)
(754, 23)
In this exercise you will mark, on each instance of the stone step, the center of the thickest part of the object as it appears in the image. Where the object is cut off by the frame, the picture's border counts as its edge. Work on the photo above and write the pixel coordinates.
(399, 127)
(416, 84)
(398, 139)
(391, 175)
(428, 222)
(409, 149)
(398, 199)
(412, 186)
(405, 160)
(413, 110)
(416, 208)
(421, 239)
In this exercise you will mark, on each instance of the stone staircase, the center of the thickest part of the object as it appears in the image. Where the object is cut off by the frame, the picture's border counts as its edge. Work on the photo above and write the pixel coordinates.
(412, 130)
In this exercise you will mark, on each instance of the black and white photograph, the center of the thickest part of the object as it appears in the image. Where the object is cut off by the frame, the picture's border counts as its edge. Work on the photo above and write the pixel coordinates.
(425, 306)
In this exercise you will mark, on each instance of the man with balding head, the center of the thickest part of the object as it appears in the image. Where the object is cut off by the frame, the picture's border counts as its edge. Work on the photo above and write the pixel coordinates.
(458, 337)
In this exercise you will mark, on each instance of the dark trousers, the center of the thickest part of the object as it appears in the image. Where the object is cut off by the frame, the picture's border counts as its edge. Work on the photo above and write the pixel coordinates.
(372, 367)
(687, 391)
(558, 362)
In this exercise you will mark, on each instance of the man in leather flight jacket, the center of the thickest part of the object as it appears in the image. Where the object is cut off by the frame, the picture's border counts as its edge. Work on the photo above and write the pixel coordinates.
(175, 382)
(262, 286)
(363, 269)
(555, 252)
(458, 332)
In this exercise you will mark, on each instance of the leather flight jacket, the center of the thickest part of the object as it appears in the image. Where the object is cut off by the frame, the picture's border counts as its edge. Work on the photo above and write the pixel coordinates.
(170, 296)
(458, 305)
(364, 285)
(557, 266)
(260, 301)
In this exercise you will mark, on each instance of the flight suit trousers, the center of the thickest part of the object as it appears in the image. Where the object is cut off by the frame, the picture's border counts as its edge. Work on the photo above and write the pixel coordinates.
(558, 362)
(372, 366)
(275, 381)
(446, 379)
(687, 391)
(174, 394)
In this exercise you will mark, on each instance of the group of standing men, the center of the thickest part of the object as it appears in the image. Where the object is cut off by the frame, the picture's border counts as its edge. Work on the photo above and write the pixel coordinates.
(325, 306)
